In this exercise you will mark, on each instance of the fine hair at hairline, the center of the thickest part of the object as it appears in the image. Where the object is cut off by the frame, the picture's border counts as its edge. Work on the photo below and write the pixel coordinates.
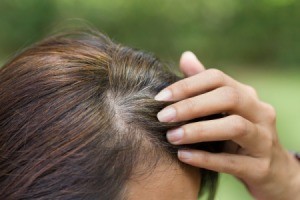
(77, 115)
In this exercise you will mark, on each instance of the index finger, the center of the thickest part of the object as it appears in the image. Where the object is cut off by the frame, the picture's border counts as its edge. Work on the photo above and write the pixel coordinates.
(195, 85)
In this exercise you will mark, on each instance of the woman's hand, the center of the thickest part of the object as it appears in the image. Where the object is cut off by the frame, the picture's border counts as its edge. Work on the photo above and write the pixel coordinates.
(253, 153)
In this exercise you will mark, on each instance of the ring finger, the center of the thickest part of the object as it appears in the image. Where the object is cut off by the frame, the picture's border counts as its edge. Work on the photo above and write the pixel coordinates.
(233, 127)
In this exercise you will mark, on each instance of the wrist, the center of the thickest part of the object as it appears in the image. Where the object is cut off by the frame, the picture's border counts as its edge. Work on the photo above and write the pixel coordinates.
(286, 178)
(283, 182)
(294, 168)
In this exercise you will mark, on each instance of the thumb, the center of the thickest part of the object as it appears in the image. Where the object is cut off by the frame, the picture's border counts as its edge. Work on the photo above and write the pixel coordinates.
(189, 64)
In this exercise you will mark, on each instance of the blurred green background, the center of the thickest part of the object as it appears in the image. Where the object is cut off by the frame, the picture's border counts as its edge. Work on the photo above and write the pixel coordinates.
(256, 42)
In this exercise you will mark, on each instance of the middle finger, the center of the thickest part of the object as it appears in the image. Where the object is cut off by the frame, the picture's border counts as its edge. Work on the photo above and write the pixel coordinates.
(223, 99)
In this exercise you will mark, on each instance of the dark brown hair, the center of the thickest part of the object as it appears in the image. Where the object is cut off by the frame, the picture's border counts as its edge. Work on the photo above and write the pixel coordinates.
(77, 113)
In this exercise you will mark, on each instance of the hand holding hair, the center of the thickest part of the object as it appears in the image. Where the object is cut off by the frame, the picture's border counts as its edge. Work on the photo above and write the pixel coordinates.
(252, 151)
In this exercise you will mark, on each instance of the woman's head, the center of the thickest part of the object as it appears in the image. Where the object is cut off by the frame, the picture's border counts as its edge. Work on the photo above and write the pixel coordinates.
(78, 121)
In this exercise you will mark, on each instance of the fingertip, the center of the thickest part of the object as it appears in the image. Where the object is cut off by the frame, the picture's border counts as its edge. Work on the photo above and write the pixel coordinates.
(188, 54)
(186, 57)
(189, 64)
(185, 155)
(164, 95)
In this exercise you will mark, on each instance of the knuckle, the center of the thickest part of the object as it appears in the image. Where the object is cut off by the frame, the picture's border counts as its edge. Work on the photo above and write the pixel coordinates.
(197, 132)
(205, 158)
(231, 96)
(186, 107)
(269, 140)
(252, 90)
(217, 76)
(268, 143)
(275, 141)
(264, 169)
(190, 103)
(239, 126)
(185, 86)
(269, 137)
(231, 166)
(271, 113)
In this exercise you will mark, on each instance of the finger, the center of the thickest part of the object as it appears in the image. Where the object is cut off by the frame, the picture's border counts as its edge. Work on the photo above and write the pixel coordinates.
(223, 99)
(233, 127)
(189, 64)
(238, 165)
(207, 80)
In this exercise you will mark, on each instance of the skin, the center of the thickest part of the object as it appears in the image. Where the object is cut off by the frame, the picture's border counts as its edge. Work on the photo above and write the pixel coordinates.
(169, 181)
(253, 153)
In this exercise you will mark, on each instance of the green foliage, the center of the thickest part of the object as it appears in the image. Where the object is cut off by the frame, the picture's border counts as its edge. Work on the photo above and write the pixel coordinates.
(231, 31)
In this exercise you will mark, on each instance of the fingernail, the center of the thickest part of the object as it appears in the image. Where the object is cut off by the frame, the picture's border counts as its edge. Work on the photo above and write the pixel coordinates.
(189, 54)
(184, 155)
(167, 114)
(164, 95)
(174, 136)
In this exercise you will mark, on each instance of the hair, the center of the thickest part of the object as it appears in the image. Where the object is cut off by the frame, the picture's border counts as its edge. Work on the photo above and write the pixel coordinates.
(78, 114)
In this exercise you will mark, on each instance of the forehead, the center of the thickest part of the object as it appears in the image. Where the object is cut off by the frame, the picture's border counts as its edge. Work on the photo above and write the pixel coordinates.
(166, 181)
